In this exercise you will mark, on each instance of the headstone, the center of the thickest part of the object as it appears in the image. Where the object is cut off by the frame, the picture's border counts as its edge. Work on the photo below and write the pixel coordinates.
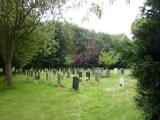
(122, 71)
(121, 81)
(27, 75)
(87, 75)
(75, 84)
(80, 76)
(115, 70)
(96, 75)
(58, 79)
(37, 75)
(48, 77)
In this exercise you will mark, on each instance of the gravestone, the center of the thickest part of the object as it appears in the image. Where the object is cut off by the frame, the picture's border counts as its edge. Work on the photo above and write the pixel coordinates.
(80, 76)
(115, 70)
(87, 75)
(122, 71)
(26, 74)
(37, 75)
(58, 79)
(96, 75)
(75, 84)
(121, 81)
(48, 77)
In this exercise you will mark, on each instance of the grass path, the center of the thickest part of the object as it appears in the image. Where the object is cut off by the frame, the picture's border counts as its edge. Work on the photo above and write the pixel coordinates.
(29, 101)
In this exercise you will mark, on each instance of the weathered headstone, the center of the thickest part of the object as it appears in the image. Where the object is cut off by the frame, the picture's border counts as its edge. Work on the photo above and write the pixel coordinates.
(48, 77)
(37, 75)
(122, 71)
(96, 75)
(87, 75)
(115, 70)
(58, 79)
(121, 81)
(75, 84)
(26, 74)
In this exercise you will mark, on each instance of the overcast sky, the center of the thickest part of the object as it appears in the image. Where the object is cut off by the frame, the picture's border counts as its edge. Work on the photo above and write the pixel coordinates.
(117, 18)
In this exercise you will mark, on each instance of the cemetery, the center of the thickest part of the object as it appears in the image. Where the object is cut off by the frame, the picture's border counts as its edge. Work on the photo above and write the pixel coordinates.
(50, 97)
(79, 60)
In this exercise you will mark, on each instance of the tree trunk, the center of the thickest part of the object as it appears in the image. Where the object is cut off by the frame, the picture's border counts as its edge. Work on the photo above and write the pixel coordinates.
(8, 74)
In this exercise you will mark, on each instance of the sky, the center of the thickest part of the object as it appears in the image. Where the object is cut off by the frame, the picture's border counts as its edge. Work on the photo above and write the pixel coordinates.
(116, 18)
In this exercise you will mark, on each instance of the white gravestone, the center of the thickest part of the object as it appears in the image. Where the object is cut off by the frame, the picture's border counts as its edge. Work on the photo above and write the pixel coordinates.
(122, 81)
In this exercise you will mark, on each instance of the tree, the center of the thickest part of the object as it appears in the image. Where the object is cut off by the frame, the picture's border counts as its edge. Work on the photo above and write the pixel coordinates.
(18, 19)
(146, 32)
(109, 58)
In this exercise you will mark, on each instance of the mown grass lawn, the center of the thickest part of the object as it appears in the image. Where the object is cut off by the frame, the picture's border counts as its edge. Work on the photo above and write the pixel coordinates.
(30, 101)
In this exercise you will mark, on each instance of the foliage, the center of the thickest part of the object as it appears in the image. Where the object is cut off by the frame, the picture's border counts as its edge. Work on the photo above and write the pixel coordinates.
(109, 58)
(147, 34)
(88, 58)
(79, 47)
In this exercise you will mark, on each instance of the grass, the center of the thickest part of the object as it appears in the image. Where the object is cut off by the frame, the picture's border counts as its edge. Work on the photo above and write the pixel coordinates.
(30, 101)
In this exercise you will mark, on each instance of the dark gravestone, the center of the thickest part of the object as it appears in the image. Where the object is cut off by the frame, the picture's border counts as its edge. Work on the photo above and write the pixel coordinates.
(80, 76)
(122, 71)
(27, 74)
(75, 84)
(37, 75)
(58, 79)
(87, 75)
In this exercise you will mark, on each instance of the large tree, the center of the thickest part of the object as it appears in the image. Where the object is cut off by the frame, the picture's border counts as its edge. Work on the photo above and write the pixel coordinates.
(18, 19)
(147, 34)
